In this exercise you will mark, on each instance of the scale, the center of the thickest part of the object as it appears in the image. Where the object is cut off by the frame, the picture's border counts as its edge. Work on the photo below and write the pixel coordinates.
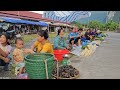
(65, 61)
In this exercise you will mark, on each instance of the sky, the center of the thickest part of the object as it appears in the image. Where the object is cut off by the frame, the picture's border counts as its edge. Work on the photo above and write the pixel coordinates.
(40, 12)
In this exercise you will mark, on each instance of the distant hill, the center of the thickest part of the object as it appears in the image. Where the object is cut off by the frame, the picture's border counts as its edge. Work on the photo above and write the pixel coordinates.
(116, 17)
(95, 15)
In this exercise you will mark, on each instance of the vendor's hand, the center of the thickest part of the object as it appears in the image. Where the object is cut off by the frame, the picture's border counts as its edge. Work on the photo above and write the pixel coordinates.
(26, 50)
(68, 48)
(31, 51)
(7, 52)
(55, 58)
(6, 60)
(65, 48)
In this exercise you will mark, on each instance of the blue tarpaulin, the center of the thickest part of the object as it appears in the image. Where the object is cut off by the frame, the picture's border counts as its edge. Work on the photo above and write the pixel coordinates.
(43, 23)
(19, 21)
(11, 20)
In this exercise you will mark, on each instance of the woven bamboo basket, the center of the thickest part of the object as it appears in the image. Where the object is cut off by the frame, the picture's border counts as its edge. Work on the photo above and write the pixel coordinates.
(39, 65)
(75, 77)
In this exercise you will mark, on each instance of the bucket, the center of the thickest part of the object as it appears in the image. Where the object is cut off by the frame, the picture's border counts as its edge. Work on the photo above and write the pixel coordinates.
(59, 54)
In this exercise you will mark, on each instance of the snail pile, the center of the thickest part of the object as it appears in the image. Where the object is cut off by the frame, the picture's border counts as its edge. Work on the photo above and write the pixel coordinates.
(66, 71)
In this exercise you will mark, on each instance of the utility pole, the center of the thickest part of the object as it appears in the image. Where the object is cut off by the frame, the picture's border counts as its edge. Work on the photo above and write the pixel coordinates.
(18, 13)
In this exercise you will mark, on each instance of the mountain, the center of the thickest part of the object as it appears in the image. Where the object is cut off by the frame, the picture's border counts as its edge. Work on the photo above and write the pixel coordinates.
(95, 15)
(116, 17)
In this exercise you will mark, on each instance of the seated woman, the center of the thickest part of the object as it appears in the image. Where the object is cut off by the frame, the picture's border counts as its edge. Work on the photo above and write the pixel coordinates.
(81, 34)
(83, 38)
(59, 41)
(5, 50)
(92, 34)
(42, 44)
(74, 38)
(80, 31)
(87, 35)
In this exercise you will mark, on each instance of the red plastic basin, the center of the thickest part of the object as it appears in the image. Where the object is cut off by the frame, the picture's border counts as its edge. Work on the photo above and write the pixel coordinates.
(59, 54)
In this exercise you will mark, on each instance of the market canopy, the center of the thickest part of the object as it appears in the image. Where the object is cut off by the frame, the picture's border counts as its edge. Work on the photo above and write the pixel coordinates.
(11, 20)
(20, 21)
(66, 16)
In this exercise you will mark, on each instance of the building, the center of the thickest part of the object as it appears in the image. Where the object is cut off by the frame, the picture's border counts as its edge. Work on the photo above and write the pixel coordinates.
(31, 16)
(22, 15)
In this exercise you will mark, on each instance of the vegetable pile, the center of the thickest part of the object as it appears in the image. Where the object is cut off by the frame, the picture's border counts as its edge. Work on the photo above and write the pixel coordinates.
(66, 71)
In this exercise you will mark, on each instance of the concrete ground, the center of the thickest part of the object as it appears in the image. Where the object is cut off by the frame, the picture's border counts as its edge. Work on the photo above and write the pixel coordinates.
(103, 64)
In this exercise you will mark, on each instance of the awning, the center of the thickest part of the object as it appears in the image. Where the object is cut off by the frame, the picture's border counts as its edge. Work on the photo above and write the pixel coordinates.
(43, 23)
(20, 21)
(11, 20)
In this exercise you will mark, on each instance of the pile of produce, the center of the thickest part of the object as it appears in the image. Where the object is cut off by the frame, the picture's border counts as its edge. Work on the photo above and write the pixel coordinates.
(84, 46)
(99, 38)
(66, 71)
(89, 50)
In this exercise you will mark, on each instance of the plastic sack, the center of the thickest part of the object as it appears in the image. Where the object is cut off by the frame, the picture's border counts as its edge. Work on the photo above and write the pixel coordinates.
(84, 43)
(22, 76)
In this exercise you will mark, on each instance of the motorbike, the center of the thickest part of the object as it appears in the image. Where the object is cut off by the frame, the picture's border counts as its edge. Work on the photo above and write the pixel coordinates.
(12, 35)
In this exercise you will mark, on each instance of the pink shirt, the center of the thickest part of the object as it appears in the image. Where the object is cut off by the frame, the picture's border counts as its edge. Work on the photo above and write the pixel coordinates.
(6, 48)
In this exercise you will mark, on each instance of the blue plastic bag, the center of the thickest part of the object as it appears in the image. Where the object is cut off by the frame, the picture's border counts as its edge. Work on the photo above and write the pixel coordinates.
(84, 43)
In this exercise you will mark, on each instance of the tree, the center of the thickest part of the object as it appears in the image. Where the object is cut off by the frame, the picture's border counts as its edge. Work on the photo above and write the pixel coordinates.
(111, 25)
(79, 25)
(96, 24)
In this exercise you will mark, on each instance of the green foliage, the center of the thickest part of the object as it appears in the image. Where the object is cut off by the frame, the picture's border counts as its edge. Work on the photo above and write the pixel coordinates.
(79, 25)
(96, 24)
(111, 25)
(93, 24)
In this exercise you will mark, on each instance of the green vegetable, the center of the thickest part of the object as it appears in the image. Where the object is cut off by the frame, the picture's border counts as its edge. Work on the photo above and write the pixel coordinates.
(83, 47)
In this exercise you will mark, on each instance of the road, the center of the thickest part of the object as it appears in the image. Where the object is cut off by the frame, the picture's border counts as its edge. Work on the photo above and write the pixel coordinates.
(104, 63)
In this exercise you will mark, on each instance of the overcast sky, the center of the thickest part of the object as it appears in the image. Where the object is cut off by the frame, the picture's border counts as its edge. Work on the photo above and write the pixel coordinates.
(40, 12)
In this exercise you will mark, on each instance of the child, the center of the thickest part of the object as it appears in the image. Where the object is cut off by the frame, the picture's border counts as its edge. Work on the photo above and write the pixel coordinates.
(18, 55)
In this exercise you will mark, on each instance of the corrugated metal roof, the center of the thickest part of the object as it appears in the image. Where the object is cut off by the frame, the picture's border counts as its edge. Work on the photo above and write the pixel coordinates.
(27, 15)
(23, 14)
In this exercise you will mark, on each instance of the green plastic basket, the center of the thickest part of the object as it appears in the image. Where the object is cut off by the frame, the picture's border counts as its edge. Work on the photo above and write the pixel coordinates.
(36, 67)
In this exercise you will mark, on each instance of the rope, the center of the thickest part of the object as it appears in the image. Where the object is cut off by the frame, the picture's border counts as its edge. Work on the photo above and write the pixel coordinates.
(46, 69)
